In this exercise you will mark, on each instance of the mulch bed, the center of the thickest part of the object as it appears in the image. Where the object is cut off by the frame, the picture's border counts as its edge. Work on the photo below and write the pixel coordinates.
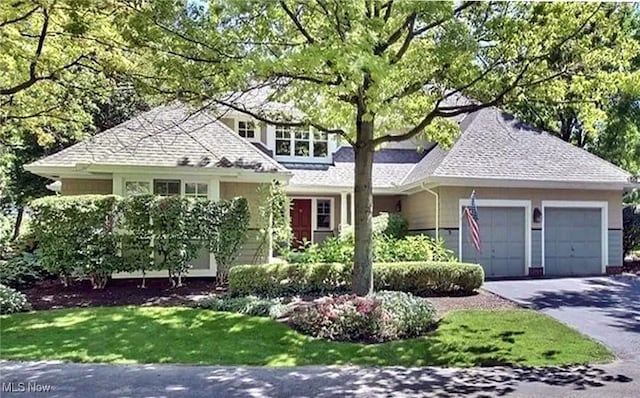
(482, 300)
(47, 295)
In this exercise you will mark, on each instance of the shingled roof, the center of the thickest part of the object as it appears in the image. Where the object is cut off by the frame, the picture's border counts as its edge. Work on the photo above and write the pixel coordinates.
(495, 145)
(171, 135)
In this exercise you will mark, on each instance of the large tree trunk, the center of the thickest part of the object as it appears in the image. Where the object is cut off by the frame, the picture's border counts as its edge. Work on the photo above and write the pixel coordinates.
(16, 226)
(363, 226)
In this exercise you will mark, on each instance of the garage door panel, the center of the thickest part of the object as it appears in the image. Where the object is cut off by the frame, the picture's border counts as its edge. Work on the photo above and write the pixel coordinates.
(503, 241)
(572, 241)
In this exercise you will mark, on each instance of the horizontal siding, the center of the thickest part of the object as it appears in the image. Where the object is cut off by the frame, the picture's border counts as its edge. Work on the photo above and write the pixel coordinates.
(450, 196)
(420, 210)
(615, 247)
(230, 190)
(536, 248)
(86, 186)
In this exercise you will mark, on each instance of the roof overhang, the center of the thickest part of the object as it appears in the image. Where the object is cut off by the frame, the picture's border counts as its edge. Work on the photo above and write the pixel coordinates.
(337, 190)
(106, 171)
(512, 183)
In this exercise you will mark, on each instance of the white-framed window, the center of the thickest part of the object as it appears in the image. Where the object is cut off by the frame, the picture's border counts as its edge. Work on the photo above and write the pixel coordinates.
(323, 213)
(137, 188)
(320, 144)
(198, 190)
(283, 141)
(247, 129)
(166, 187)
(301, 143)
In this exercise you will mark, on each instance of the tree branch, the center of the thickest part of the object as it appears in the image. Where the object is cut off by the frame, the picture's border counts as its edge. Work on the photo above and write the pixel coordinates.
(296, 22)
(20, 18)
(439, 22)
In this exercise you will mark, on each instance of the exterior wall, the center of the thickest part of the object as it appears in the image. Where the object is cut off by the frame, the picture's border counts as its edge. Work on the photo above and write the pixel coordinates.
(254, 250)
(420, 211)
(450, 196)
(229, 122)
(83, 186)
(385, 203)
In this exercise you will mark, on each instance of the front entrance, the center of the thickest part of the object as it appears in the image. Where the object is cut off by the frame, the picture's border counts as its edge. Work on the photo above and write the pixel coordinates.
(301, 220)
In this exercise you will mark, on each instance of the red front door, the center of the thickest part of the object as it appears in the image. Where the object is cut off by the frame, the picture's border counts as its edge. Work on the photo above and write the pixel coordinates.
(301, 220)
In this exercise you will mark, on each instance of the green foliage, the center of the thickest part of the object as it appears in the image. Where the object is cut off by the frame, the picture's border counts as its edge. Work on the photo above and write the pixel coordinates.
(77, 236)
(22, 269)
(383, 316)
(246, 305)
(274, 215)
(392, 225)
(386, 249)
(175, 235)
(12, 301)
(630, 228)
(105, 234)
(282, 279)
(136, 234)
(422, 278)
(425, 278)
(234, 223)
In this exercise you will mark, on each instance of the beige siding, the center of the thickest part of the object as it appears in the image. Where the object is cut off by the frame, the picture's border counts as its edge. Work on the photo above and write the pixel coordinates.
(420, 210)
(227, 121)
(385, 203)
(450, 196)
(253, 250)
(83, 186)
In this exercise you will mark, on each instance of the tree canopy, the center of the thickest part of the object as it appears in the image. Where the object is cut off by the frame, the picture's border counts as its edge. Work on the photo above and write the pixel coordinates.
(376, 72)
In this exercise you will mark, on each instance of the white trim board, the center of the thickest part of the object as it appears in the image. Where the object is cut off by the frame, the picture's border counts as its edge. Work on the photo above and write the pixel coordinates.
(582, 204)
(526, 204)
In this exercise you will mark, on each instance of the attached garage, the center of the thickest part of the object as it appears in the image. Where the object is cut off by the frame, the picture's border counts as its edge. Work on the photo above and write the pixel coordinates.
(574, 238)
(505, 241)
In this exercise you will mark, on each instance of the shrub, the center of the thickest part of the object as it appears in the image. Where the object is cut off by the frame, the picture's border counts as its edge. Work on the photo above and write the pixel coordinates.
(392, 225)
(247, 305)
(631, 228)
(22, 270)
(386, 249)
(283, 279)
(381, 317)
(413, 277)
(424, 278)
(411, 248)
(77, 236)
(12, 301)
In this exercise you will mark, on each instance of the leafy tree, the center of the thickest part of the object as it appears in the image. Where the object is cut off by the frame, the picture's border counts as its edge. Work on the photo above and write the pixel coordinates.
(23, 146)
(56, 56)
(373, 72)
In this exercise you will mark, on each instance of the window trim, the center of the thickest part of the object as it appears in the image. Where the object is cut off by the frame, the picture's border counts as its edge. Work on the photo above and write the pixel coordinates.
(137, 180)
(256, 130)
(292, 142)
(184, 188)
(331, 214)
(167, 180)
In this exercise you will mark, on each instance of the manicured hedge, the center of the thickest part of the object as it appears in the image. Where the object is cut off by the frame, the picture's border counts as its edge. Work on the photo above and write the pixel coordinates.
(413, 277)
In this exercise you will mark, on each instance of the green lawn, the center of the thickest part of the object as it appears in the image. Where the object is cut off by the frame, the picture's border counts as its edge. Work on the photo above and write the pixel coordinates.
(184, 335)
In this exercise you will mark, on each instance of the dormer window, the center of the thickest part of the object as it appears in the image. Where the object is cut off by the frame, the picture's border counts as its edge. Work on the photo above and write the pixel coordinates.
(247, 129)
(301, 143)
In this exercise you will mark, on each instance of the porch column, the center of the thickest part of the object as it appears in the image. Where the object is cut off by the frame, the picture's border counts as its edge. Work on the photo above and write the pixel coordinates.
(343, 210)
(214, 194)
(353, 209)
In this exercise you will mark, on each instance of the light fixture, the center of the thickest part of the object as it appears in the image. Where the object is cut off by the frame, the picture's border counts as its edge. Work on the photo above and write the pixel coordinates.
(537, 215)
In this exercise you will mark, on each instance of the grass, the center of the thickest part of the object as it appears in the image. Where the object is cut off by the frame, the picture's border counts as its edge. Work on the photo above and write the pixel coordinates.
(195, 336)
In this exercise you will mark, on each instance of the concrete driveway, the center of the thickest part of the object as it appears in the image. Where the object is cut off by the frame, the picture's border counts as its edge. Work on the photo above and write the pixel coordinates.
(605, 308)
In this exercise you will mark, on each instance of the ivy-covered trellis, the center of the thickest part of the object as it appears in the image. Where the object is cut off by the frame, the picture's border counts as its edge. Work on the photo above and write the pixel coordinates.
(274, 218)
(92, 236)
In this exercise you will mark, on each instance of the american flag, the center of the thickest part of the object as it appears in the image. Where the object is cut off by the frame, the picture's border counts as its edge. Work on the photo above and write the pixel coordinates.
(471, 215)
